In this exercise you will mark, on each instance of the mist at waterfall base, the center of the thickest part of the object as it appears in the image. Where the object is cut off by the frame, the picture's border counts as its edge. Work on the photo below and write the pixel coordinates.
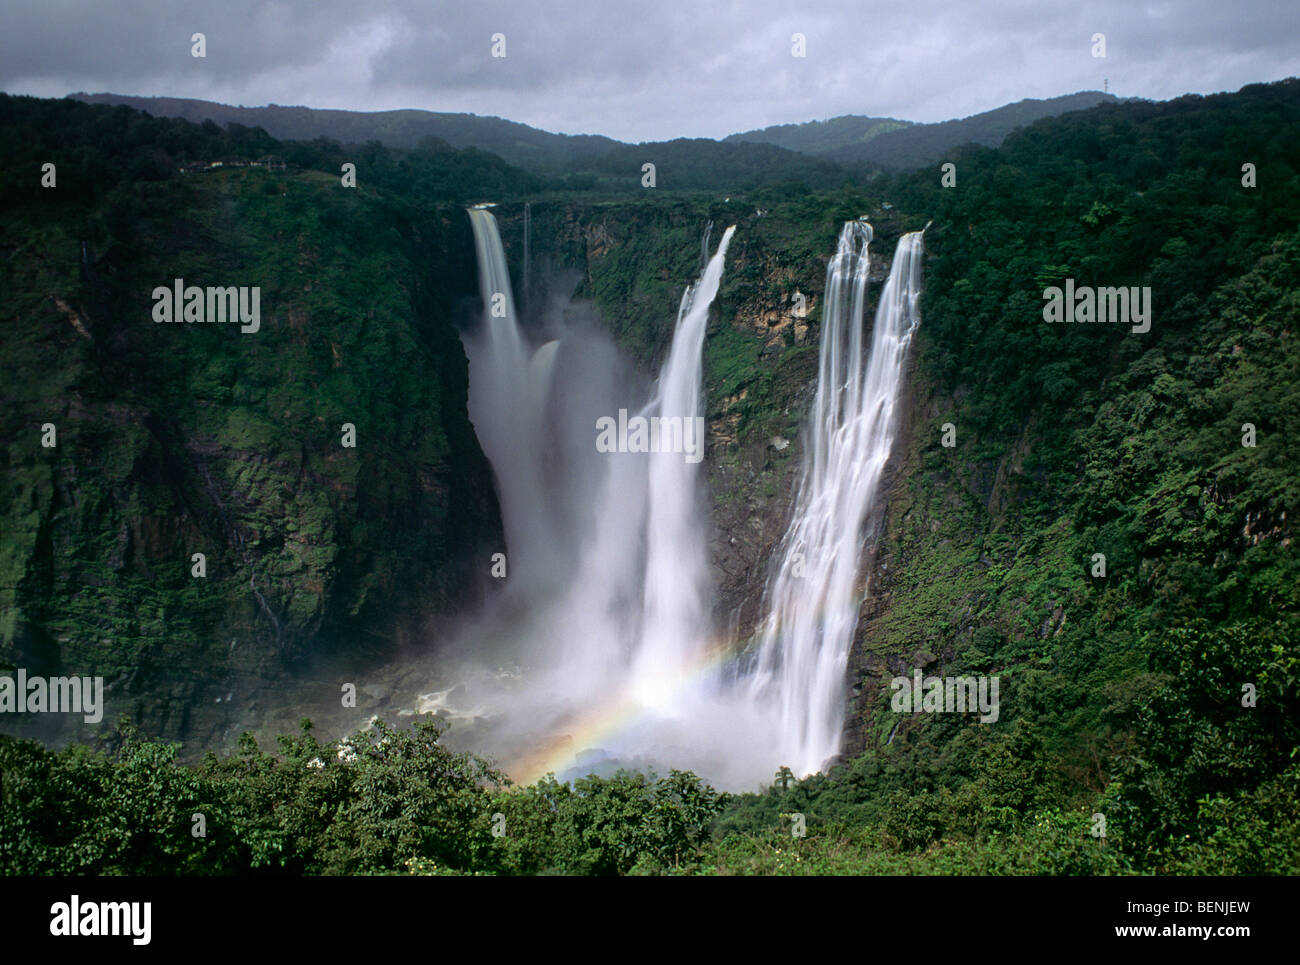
(598, 649)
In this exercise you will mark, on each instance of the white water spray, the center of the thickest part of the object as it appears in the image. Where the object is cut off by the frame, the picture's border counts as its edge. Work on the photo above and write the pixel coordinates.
(813, 597)
(620, 614)
(625, 632)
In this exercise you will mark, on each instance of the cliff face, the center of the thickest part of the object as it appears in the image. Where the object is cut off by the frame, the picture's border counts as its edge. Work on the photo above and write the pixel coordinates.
(171, 440)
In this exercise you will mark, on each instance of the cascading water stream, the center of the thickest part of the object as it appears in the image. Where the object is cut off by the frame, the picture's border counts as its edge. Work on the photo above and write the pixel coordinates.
(629, 619)
(508, 390)
(675, 620)
(813, 598)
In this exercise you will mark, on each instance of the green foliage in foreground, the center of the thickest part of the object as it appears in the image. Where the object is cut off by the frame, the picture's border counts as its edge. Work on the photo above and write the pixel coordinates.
(1210, 787)
(382, 801)
(1204, 785)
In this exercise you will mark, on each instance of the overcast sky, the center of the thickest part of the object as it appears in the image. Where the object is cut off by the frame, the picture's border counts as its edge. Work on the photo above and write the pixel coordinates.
(646, 70)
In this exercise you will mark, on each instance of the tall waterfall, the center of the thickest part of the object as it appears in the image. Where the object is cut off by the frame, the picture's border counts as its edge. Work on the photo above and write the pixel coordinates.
(637, 613)
(675, 620)
(508, 391)
(813, 598)
(612, 588)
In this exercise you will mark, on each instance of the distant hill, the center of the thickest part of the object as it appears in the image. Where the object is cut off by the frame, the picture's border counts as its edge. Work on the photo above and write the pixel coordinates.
(587, 159)
(515, 143)
(823, 137)
(701, 163)
(890, 143)
(820, 153)
(920, 144)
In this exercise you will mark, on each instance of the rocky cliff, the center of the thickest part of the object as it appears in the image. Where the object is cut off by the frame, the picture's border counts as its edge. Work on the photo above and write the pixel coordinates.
(193, 511)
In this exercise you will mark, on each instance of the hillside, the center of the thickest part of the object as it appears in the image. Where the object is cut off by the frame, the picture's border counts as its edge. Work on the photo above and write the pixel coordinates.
(515, 143)
(919, 145)
(822, 137)
(577, 161)
(173, 440)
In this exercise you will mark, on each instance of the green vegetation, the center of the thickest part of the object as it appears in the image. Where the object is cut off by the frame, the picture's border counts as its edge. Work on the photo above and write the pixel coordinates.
(397, 801)
(382, 801)
(823, 137)
(923, 145)
(174, 440)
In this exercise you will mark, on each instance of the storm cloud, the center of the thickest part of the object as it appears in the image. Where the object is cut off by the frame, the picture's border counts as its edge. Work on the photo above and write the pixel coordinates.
(646, 70)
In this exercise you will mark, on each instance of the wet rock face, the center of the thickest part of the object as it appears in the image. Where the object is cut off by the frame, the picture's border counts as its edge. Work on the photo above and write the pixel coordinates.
(752, 488)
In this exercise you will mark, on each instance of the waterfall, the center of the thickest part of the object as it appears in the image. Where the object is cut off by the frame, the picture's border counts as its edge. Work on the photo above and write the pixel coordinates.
(675, 622)
(616, 610)
(614, 634)
(813, 597)
(637, 612)
(508, 388)
(528, 230)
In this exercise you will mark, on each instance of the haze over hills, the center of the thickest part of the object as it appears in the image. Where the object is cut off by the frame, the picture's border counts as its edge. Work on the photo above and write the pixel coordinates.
(782, 151)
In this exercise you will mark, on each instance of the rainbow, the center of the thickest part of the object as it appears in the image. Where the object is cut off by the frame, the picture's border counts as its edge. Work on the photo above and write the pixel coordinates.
(609, 719)
(585, 730)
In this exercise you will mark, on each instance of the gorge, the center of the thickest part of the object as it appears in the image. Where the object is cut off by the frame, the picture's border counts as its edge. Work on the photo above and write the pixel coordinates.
(644, 669)
(419, 528)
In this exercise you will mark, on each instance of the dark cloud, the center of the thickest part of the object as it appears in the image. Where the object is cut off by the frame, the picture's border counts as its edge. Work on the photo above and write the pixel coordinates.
(646, 70)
